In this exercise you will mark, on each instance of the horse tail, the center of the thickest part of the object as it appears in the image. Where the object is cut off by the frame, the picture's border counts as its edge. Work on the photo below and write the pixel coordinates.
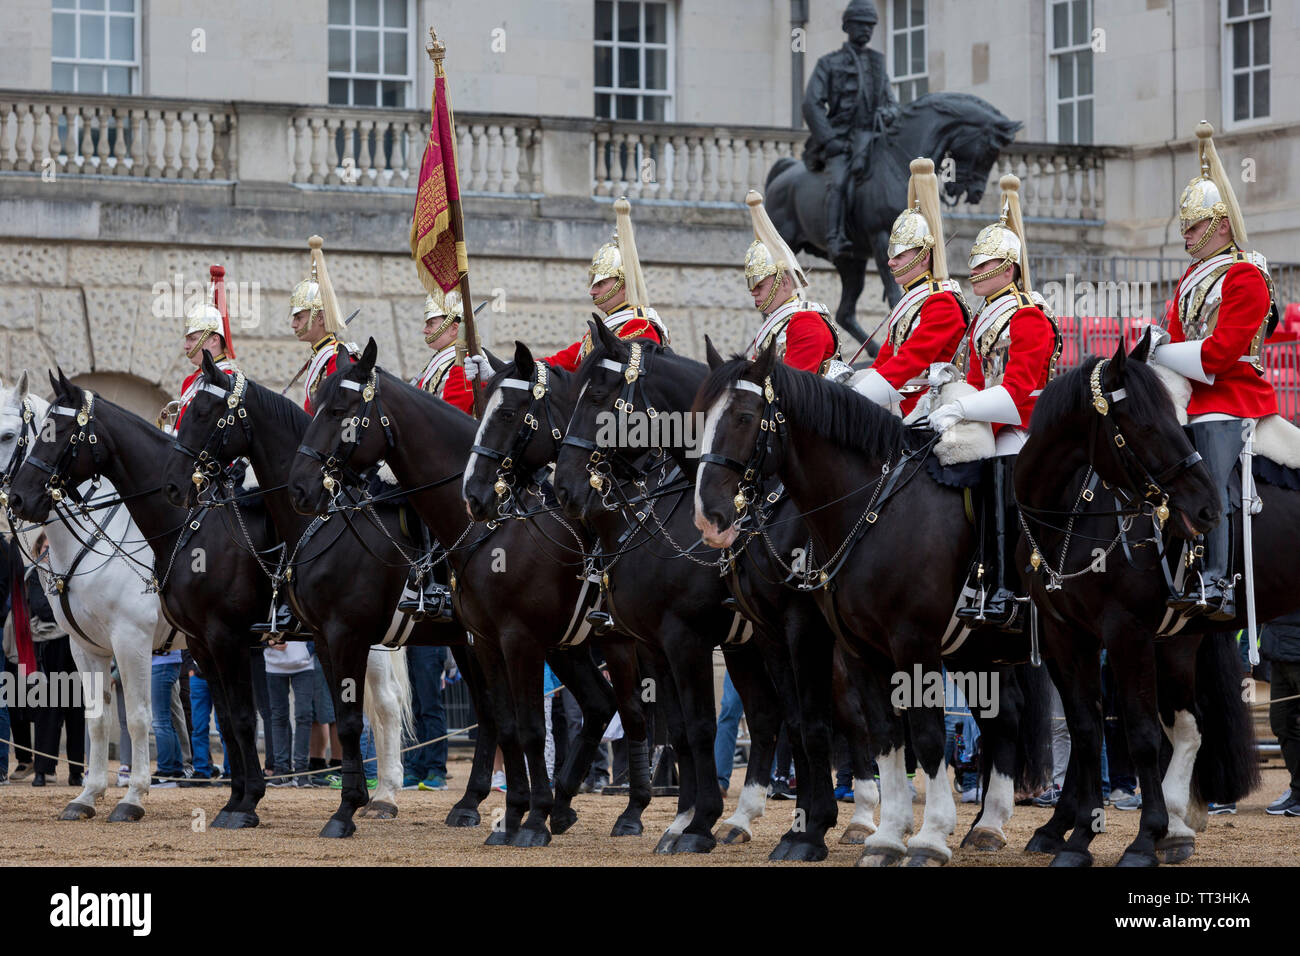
(780, 166)
(1227, 764)
(1034, 734)
(387, 677)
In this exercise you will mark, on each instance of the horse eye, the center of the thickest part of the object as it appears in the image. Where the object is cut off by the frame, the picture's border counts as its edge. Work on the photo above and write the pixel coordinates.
(7, 437)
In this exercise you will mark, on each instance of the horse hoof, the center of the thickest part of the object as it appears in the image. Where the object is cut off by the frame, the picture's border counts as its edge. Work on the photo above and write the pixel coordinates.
(242, 820)
(528, 837)
(499, 838)
(624, 827)
(695, 843)
(1072, 858)
(221, 821)
(924, 856)
(463, 817)
(879, 858)
(984, 839)
(733, 835)
(126, 813)
(798, 851)
(1172, 850)
(667, 842)
(77, 811)
(1132, 858)
(562, 820)
(855, 834)
(1044, 843)
(379, 810)
(336, 829)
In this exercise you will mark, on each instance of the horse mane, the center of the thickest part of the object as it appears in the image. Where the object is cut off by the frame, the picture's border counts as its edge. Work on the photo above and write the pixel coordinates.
(831, 411)
(278, 408)
(1070, 394)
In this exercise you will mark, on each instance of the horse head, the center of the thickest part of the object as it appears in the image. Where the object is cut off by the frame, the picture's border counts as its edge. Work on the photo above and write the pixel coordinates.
(958, 126)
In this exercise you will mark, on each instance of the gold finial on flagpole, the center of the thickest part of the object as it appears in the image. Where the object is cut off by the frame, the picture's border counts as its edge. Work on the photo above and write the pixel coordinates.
(436, 50)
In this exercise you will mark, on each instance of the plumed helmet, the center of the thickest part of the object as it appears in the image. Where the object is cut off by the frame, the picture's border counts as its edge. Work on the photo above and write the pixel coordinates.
(1209, 195)
(1005, 239)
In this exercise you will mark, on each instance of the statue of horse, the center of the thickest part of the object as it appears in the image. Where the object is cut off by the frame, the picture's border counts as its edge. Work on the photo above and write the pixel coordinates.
(964, 128)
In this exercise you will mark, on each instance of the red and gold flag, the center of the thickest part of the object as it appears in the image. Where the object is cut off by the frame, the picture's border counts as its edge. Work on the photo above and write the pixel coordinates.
(439, 259)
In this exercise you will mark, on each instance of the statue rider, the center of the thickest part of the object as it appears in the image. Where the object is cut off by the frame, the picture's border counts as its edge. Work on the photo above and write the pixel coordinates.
(848, 102)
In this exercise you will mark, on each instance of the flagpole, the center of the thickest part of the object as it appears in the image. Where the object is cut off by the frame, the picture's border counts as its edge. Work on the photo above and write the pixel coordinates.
(467, 338)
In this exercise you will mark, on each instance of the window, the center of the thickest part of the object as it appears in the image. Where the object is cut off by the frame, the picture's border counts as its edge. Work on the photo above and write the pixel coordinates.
(371, 52)
(1069, 71)
(634, 64)
(1246, 59)
(907, 65)
(95, 46)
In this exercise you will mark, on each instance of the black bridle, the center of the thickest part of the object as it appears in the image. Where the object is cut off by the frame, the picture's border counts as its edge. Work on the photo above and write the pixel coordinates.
(334, 467)
(508, 476)
(56, 485)
(209, 460)
(771, 425)
(24, 410)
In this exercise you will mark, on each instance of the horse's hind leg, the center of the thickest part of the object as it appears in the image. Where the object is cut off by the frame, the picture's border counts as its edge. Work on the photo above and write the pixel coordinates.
(133, 666)
(465, 812)
(578, 672)
(763, 713)
(1176, 689)
(346, 673)
(504, 825)
(524, 658)
(625, 675)
(998, 735)
(94, 688)
(232, 653)
(388, 705)
(929, 847)
(1081, 696)
(849, 717)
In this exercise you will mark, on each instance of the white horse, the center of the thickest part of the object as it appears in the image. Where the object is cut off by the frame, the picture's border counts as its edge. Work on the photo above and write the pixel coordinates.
(110, 615)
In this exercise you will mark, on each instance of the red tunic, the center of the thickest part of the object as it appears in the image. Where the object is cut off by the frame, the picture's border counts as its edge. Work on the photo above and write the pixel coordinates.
(935, 338)
(326, 371)
(808, 342)
(1028, 360)
(191, 380)
(1238, 389)
(569, 359)
(455, 390)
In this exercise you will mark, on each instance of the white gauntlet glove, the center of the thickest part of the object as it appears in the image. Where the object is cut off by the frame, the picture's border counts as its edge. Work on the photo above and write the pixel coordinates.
(945, 416)
(478, 368)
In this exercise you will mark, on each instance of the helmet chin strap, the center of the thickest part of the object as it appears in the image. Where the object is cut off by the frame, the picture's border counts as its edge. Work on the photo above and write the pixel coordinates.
(614, 290)
(911, 264)
(446, 324)
(777, 278)
(1215, 219)
(198, 346)
(1006, 264)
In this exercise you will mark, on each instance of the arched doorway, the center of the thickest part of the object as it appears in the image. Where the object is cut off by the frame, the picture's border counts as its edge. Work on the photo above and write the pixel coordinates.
(129, 391)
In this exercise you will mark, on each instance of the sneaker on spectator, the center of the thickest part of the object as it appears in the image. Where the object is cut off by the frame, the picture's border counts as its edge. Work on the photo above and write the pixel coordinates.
(1219, 809)
(410, 782)
(1132, 802)
(1288, 801)
(334, 781)
(432, 782)
(280, 781)
(158, 783)
(970, 796)
(372, 782)
(499, 780)
(780, 789)
(4, 778)
(594, 784)
(1049, 797)
(844, 794)
(124, 776)
(22, 772)
(1293, 811)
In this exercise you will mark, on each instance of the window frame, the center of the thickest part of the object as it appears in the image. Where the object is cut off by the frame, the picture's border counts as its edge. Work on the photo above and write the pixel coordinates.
(1229, 70)
(134, 66)
(668, 94)
(351, 75)
(924, 29)
(1054, 56)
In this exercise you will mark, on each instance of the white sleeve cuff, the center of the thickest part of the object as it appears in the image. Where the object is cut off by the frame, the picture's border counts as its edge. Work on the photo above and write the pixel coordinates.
(990, 405)
(876, 387)
(1185, 359)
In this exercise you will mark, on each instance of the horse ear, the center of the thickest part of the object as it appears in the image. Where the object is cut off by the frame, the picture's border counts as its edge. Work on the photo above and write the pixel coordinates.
(607, 338)
(523, 358)
(210, 370)
(494, 360)
(367, 362)
(21, 391)
(54, 382)
(65, 386)
(711, 354)
(766, 359)
(1142, 351)
(1114, 374)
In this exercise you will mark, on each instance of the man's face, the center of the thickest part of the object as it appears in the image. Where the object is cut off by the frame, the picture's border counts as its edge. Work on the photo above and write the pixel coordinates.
(212, 346)
(447, 336)
(985, 278)
(1222, 236)
(859, 32)
(764, 286)
(601, 289)
(905, 257)
(305, 329)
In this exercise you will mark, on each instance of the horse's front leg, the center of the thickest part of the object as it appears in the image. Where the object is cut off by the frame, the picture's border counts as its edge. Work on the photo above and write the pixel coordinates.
(94, 676)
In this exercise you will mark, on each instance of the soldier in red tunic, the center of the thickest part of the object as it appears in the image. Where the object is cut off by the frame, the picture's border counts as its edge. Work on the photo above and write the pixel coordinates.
(1010, 353)
(617, 288)
(927, 324)
(442, 376)
(316, 319)
(803, 331)
(1217, 323)
(207, 329)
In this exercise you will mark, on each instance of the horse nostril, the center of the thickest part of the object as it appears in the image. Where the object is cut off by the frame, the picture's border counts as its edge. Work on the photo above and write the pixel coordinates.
(1208, 515)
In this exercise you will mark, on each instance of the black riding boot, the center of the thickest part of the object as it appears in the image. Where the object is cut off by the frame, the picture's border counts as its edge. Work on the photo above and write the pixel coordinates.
(285, 623)
(1210, 592)
(997, 579)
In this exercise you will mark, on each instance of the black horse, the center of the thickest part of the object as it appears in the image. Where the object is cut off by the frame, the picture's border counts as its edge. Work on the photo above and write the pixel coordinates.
(343, 581)
(508, 587)
(892, 548)
(1187, 685)
(673, 606)
(791, 634)
(215, 600)
(962, 127)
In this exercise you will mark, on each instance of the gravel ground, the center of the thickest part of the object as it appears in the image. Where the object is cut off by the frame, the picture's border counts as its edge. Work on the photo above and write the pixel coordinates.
(291, 819)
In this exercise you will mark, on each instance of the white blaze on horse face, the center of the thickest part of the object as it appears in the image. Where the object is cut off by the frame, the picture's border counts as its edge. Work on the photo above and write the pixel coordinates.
(712, 535)
(493, 404)
(1177, 784)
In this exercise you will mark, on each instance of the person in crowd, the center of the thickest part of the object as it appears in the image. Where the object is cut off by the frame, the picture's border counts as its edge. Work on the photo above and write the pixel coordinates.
(289, 667)
(425, 768)
(1281, 647)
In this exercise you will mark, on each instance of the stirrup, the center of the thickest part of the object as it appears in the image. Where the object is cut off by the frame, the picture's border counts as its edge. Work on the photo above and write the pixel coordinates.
(602, 622)
(431, 604)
